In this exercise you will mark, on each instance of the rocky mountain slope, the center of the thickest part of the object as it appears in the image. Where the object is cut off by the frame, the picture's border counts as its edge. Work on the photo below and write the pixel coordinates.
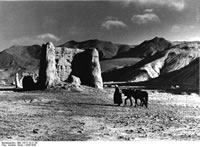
(147, 48)
(167, 61)
(20, 56)
(185, 78)
(19, 59)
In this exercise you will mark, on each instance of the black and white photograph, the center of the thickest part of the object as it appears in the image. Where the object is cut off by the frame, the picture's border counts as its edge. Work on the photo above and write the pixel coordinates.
(99, 70)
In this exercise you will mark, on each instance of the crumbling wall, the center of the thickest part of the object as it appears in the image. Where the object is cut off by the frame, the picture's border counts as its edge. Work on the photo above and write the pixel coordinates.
(58, 64)
(64, 57)
(86, 66)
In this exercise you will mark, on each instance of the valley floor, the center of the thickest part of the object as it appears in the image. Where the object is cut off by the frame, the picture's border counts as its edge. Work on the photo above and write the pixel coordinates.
(76, 115)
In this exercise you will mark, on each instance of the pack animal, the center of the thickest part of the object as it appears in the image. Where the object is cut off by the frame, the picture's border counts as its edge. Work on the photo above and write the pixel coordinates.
(136, 94)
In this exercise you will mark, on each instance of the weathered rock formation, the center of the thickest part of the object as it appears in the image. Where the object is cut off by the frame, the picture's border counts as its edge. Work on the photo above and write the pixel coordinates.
(96, 70)
(86, 66)
(59, 64)
(18, 81)
(48, 76)
(27, 81)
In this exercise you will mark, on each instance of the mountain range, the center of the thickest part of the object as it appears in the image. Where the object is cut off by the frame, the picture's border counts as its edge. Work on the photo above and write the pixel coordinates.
(152, 60)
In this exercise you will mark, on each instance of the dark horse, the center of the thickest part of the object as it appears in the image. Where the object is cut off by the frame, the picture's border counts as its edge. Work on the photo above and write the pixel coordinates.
(117, 96)
(136, 94)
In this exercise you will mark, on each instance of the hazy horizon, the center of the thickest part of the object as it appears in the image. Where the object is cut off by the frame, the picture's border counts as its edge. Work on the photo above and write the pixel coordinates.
(126, 22)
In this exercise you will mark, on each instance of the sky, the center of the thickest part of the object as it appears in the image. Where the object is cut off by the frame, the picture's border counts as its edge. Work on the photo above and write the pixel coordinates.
(127, 22)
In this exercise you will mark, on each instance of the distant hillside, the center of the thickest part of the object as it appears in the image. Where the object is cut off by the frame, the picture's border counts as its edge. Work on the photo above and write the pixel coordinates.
(106, 49)
(20, 56)
(185, 78)
(175, 58)
(147, 48)
(107, 65)
(19, 59)
(109, 50)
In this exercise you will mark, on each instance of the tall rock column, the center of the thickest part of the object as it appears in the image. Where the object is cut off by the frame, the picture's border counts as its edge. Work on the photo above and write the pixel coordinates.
(96, 69)
(48, 76)
(18, 82)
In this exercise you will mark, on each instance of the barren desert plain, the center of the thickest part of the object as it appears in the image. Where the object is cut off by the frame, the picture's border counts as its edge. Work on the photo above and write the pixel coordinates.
(85, 113)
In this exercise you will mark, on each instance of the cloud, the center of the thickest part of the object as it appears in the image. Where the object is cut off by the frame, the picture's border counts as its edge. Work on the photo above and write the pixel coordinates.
(30, 40)
(175, 29)
(145, 18)
(148, 10)
(48, 36)
(182, 28)
(193, 38)
(26, 41)
(113, 23)
(175, 4)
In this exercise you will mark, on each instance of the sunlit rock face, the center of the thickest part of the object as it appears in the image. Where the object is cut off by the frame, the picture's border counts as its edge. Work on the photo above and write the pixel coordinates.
(86, 66)
(18, 81)
(96, 69)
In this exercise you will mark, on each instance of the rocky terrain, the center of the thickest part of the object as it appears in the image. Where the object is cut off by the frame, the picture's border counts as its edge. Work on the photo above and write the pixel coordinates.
(80, 114)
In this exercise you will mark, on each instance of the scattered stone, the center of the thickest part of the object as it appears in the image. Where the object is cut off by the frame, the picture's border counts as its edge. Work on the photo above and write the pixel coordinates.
(129, 131)
(35, 131)
(21, 135)
(79, 131)
(74, 80)
(9, 137)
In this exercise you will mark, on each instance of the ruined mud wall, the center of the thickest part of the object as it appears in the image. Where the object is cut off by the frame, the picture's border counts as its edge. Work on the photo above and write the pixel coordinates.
(59, 64)
(64, 58)
(86, 66)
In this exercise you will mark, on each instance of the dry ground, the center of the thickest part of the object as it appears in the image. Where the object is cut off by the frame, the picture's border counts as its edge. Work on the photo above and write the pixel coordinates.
(60, 114)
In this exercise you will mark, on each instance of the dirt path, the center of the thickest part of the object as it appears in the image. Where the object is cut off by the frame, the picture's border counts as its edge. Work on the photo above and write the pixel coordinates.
(90, 115)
